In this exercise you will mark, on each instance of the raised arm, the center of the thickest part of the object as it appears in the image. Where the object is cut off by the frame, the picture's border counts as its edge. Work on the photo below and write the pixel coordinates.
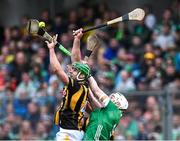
(76, 53)
(56, 66)
(102, 97)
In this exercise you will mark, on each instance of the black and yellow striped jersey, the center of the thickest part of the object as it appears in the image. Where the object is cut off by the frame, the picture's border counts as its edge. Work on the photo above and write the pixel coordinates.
(70, 113)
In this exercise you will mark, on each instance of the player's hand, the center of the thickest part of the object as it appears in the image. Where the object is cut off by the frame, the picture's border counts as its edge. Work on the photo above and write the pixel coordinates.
(78, 33)
(52, 44)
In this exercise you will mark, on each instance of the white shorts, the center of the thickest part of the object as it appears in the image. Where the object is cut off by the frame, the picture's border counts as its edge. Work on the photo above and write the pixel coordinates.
(69, 135)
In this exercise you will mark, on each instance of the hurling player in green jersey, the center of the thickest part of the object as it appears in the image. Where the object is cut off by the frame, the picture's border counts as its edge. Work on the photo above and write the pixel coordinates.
(104, 120)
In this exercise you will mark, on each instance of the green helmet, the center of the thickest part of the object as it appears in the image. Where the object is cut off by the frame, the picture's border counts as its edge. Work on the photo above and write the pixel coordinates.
(83, 68)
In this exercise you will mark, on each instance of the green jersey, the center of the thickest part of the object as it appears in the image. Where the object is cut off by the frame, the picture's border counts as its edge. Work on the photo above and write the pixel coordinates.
(102, 122)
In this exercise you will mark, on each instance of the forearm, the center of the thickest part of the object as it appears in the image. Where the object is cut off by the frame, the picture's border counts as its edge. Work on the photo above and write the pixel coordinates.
(56, 66)
(93, 100)
(96, 90)
(76, 53)
(53, 60)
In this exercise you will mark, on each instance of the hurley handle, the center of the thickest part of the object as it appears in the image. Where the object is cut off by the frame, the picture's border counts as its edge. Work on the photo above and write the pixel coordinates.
(135, 15)
(94, 27)
(63, 49)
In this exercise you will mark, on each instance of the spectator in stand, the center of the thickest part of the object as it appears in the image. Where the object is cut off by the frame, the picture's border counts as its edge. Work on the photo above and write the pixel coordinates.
(111, 51)
(6, 131)
(174, 87)
(33, 114)
(59, 26)
(126, 82)
(170, 74)
(150, 19)
(26, 86)
(18, 66)
(37, 75)
(136, 47)
(166, 38)
(26, 132)
(20, 104)
(176, 126)
(106, 81)
(153, 80)
(142, 135)
(41, 131)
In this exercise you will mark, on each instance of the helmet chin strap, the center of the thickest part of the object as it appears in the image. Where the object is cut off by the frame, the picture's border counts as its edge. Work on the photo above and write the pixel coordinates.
(78, 78)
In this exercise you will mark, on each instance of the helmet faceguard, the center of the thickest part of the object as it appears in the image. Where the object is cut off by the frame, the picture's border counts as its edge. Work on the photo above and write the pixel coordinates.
(119, 100)
(82, 69)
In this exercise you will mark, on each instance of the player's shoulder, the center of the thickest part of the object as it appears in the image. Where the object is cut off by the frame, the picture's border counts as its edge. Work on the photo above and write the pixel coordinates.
(117, 112)
(111, 106)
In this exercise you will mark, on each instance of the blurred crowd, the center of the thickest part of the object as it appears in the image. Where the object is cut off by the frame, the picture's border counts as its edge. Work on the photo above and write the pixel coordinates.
(140, 56)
